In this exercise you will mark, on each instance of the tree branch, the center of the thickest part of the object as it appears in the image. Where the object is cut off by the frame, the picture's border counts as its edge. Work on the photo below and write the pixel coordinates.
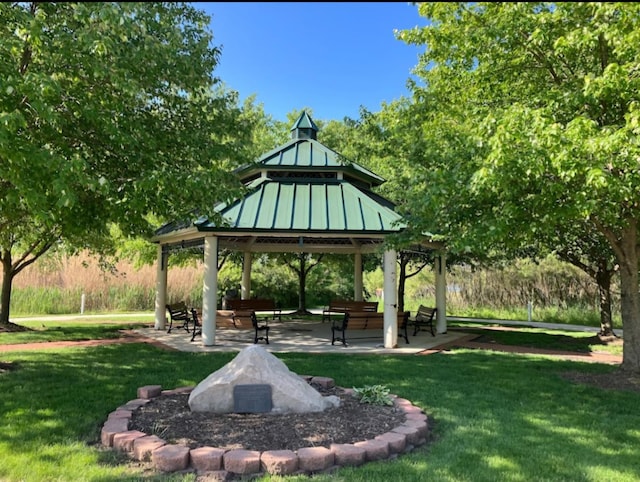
(27, 52)
(35, 252)
(410, 275)
(311, 266)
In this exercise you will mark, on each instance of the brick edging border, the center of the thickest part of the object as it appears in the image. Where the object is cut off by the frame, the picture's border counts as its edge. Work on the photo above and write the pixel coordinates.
(307, 460)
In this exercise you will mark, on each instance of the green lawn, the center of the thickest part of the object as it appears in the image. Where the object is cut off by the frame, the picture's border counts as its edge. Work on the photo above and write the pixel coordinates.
(73, 328)
(493, 416)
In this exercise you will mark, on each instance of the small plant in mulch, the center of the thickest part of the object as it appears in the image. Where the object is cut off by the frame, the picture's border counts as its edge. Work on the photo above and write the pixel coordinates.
(373, 394)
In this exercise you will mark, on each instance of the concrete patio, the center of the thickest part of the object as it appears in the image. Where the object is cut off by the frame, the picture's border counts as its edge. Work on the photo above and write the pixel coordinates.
(302, 336)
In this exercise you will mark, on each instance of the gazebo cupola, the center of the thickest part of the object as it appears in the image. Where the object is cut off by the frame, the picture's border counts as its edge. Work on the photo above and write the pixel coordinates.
(304, 128)
(305, 159)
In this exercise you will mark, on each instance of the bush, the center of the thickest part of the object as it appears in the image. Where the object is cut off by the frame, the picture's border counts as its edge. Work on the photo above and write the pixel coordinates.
(373, 394)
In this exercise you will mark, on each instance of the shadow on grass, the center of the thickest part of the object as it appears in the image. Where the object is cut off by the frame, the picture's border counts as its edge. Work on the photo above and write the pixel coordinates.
(41, 334)
(578, 342)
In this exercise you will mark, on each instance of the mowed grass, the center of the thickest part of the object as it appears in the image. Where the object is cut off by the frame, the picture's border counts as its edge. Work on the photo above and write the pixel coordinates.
(71, 332)
(493, 416)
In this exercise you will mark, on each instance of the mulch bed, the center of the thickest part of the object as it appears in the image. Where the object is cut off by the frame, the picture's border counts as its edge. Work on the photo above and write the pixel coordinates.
(170, 418)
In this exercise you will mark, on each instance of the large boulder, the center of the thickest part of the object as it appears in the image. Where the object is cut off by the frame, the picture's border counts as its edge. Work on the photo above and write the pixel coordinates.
(290, 393)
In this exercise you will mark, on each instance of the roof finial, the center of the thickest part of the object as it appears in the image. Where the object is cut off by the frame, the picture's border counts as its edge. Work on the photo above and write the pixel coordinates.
(304, 127)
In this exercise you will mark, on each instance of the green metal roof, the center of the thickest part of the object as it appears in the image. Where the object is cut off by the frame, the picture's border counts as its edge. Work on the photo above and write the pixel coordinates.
(309, 155)
(304, 154)
(303, 187)
(335, 206)
(305, 122)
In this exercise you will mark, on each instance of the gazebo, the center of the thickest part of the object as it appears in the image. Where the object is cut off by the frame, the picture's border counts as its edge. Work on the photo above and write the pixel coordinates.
(301, 197)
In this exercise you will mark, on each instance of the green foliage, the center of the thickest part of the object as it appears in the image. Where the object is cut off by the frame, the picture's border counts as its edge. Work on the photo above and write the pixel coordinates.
(373, 394)
(529, 135)
(271, 279)
(372, 281)
(110, 114)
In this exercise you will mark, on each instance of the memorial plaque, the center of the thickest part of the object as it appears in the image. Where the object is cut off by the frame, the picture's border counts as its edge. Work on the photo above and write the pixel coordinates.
(252, 398)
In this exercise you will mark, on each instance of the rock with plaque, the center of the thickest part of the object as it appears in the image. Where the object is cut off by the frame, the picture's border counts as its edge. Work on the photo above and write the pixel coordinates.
(255, 367)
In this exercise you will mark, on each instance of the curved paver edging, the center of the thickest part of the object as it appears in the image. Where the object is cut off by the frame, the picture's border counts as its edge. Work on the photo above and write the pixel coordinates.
(306, 460)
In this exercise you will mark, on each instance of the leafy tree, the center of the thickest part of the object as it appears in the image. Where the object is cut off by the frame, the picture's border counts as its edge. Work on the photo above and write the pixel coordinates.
(377, 146)
(301, 264)
(539, 104)
(266, 133)
(585, 248)
(410, 265)
(397, 128)
(109, 113)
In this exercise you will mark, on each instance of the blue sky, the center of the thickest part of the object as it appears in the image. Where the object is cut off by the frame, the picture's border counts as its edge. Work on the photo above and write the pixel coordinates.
(331, 57)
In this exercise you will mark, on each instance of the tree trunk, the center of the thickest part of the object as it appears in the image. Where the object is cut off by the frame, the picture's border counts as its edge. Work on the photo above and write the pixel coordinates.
(626, 249)
(402, 280)
(603, 278)
(302, 288)
(5, 294)
(630, 307)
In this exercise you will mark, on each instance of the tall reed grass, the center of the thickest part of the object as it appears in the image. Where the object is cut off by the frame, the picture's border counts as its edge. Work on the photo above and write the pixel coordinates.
(57, 285)
(551, 290)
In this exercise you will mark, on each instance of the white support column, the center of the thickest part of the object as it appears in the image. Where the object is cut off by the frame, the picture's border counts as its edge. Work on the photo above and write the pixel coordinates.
(245, 284)
(441, 292)
(390, 300)
(357, 277)
(210, 291)
(161, 291)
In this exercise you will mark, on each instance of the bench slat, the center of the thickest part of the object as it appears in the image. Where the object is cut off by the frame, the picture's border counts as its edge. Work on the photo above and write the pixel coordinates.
(256, 304)
(342, 306)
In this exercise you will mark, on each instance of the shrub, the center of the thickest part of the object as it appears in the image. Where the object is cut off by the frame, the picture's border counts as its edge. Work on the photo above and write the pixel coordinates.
(373, 394)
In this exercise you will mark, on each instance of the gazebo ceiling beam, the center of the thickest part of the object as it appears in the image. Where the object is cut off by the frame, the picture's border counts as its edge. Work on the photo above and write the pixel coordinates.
(336, 249)
(267, 243)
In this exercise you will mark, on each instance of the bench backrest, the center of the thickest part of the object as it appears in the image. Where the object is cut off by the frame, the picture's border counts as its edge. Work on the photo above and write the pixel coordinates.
(359, 320)
(245, 319)
(425, 313)
(224, 319)
(348, 305)
(251, 304)
(178, 311)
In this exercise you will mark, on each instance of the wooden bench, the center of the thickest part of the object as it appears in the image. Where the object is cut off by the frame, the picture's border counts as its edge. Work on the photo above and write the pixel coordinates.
(247, 320)
(423, 319)
(179, 314)
(238, 320)
(342, 306)
(365, 320)
(259, 305)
